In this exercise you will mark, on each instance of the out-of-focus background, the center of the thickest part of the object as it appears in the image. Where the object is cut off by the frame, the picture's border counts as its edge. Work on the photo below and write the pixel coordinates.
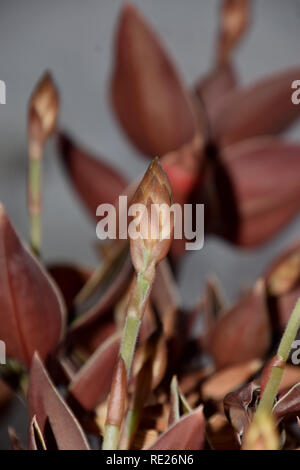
(74, 39)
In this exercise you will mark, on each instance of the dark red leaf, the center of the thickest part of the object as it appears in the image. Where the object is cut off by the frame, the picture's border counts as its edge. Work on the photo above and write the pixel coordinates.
(234, 337)
(283, 285)
(103, 289)
(70, 280)
(91, 385)
(239, 407)
(213, 88)
(261, 109)
(54, 418)
(147, 93)
(95, 181)
(185, 434)
(258, 190)
(27, 322)
(289, 404)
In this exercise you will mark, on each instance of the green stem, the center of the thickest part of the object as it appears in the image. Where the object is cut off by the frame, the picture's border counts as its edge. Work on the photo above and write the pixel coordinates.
(111, 437)
(135, 311)
(271, 390)
(34, 191)
(130, 335)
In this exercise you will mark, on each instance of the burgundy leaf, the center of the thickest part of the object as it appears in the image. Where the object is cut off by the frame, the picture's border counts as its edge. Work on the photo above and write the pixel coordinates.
(185, 434)
(283, 285)
(239, 407)
(213, 88)
(284, 273)
(221, 383)
(91, 385)
(165, 296)
(54, 418)
(95, 182)
(103, 290)
(289, 404)
(147, 93)
(27, 322)
(220, 434)
(234, 337)
(258, 190)
(70, 280)
(261, 109)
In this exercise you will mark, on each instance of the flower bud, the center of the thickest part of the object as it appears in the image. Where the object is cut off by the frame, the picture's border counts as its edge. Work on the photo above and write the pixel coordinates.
(151, 232)
(234, 22)
(42, 114)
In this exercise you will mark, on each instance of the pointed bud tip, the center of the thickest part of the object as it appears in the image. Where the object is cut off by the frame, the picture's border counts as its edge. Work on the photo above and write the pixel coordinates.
(42, 112)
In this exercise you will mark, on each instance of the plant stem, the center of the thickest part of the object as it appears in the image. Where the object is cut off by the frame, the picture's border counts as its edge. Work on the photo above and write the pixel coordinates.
(111, 437)
(130, 334)
(267, 401)
(139, 297)
(137, 304)
(34, 207)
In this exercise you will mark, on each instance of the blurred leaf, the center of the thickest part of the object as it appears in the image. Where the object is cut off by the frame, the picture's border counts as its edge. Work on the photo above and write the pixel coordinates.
(91, 385)
(289, 404)
(213, 88)
(283, 285)
(27, 322)
(70, 280)
(178, 404)
(263, 208)
(220, 434)
(56, 421)
(95, 182)
(102, 290)
(185, 434)
(239, 407)
(221, 383)
(15, 442)
(166, 298)
(147, 93)
(261, 109)
(257, 190)
(233, 339)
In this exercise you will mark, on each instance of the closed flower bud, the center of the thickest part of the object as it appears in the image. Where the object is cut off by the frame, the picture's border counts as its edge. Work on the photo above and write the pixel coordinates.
(42, 114)
(151, 232)
(234, 22)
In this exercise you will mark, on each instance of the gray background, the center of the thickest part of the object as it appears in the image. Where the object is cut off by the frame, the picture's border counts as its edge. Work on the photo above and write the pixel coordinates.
(74, 40)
